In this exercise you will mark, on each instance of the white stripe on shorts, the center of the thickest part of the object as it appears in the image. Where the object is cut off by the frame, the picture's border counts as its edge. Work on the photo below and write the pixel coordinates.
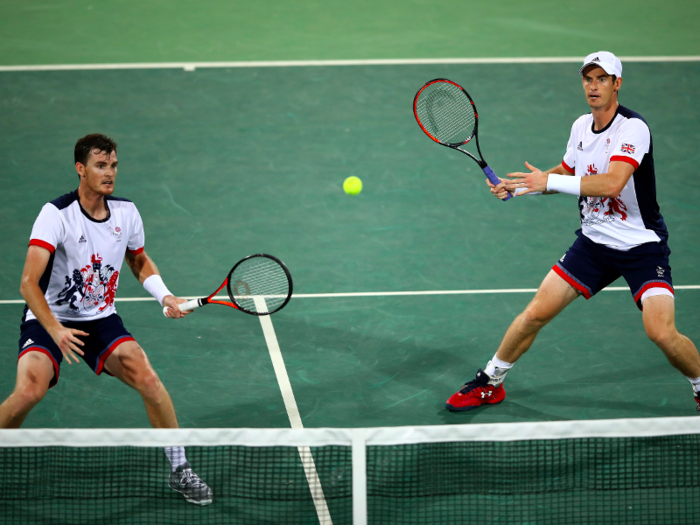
(657, 290)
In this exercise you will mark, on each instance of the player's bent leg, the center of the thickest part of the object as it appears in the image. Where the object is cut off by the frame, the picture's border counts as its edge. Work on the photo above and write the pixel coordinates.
(129, 363)
(553, 295)
(659, 322)
(35, 371)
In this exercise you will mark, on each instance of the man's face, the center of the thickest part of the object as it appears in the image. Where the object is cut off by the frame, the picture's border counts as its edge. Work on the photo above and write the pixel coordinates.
(99, 172)
(599, 87)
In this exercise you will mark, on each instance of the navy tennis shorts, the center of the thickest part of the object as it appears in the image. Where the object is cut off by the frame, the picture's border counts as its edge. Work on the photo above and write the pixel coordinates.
(105, 336)
(589, 267)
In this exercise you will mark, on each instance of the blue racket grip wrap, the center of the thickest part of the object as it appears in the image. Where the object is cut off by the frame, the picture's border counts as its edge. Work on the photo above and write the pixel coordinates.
(494, 179)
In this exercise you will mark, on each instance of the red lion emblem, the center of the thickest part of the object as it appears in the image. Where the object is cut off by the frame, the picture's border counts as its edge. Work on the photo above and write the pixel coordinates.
(110, 290)
(616, 206)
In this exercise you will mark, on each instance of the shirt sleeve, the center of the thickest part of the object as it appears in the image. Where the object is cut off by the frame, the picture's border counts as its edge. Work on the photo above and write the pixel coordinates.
(569, 161)
(137, 238)
(48, 230)
(633, 142)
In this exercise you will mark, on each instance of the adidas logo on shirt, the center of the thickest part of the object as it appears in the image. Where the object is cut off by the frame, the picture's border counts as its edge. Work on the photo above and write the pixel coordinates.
(580, 146)
(82, 239)
(29, 342)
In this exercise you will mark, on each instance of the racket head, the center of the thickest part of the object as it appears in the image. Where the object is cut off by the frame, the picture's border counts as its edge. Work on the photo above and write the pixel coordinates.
(259, 284)
(445, 112)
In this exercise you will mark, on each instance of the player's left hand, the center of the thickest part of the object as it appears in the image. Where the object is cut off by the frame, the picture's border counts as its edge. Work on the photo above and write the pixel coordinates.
(171, 303)
(500, 190)
(536, 180)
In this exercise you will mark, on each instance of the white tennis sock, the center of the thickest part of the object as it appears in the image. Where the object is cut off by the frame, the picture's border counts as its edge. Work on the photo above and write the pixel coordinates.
(497, 369)
(696, 383)
(176, 455)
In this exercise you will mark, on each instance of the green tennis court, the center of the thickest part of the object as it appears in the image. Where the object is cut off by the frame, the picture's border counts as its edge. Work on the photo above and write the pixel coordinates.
(227, 161)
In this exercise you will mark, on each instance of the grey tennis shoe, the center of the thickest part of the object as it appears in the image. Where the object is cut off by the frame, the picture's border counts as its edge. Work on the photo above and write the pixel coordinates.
(187, 483)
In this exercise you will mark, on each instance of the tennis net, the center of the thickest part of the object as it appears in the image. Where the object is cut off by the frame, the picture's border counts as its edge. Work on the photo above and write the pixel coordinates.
(611, 471)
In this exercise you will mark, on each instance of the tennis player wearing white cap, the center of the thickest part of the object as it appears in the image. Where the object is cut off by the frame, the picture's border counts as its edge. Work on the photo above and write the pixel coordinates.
(609, 165)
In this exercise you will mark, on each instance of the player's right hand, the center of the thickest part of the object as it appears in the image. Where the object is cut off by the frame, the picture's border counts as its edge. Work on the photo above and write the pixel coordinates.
(67, 341)
(498, 190)
(170, 308)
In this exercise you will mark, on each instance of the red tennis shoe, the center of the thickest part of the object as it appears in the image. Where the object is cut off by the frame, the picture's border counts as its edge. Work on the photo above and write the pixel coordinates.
(479, 392)
(697, 400)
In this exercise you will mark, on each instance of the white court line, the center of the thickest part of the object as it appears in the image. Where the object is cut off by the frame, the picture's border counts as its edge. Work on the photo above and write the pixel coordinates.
(386, 294)
(307, 460)
(192, 66)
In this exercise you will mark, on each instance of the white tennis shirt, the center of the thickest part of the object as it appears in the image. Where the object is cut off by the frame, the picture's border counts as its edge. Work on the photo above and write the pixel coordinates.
(633, 217)
(81, 278)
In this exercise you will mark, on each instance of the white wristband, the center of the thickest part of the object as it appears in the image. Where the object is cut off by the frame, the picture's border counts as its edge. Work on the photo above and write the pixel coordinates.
(564, 184)
(156, 287)
(520, 190)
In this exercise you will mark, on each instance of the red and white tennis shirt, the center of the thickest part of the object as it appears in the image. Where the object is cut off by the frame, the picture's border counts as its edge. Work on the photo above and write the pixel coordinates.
(82, 275)
(632, 218)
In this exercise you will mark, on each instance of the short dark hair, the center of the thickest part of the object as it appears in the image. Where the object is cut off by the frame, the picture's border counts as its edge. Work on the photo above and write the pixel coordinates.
(91, 142)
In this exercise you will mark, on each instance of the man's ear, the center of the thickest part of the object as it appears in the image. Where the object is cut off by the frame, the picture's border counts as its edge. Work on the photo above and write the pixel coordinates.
(618, 83)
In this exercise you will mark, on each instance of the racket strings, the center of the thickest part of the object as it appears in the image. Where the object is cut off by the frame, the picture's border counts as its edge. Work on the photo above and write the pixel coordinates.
(446, 113)
(261, 278)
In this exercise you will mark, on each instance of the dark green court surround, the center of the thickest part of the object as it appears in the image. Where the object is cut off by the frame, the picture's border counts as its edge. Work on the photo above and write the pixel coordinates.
(227, 162)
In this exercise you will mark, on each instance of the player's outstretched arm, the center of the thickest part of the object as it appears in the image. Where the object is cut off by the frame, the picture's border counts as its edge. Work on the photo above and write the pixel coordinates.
(534, 182)
(65, 338)
(608, 184)
(146, 271)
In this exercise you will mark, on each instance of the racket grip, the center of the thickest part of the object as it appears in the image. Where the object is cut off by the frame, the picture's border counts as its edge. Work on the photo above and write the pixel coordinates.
(494, 179)
(185, 307)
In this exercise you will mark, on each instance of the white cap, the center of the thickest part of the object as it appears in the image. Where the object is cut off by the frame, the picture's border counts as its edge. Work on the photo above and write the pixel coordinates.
(609, 62)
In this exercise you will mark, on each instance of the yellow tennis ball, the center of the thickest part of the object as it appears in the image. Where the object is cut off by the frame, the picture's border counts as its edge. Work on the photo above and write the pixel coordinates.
(352, 185)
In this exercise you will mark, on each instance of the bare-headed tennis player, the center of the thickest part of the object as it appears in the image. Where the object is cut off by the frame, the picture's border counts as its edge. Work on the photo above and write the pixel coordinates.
(76, 250)
(609, 165)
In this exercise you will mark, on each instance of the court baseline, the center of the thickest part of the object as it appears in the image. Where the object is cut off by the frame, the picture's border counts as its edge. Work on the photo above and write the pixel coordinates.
(192, 66)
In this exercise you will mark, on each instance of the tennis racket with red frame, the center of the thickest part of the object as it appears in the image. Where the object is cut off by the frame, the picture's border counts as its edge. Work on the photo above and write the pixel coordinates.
(447, 114)
(259, 284)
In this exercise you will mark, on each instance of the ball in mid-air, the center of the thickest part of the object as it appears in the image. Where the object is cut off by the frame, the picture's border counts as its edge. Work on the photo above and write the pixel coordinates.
(352, 185)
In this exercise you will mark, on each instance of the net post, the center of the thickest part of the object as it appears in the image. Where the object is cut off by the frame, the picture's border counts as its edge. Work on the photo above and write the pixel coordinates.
(359, 477)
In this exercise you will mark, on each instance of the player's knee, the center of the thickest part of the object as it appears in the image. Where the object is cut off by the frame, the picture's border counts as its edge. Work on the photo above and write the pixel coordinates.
(535, 317)
(28, 394)
(149, 386)
(662, 336)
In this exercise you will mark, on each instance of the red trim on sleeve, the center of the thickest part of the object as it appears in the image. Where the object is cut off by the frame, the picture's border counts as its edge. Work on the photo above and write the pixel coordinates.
(628, 160)
(561, 273)
(135, 252)
(567, 168)
(42, 244)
